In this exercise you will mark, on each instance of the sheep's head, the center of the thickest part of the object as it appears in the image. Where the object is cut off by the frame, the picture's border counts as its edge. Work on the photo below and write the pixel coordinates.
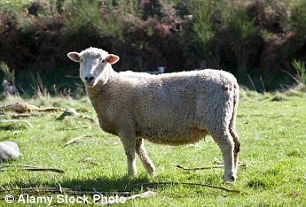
(94, 65)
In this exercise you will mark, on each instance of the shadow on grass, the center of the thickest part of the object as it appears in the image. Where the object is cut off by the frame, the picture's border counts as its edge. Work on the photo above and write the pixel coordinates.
(102, 184)
(107, 184)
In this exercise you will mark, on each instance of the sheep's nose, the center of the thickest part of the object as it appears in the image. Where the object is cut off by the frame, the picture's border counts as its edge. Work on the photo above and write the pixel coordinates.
(89, 79)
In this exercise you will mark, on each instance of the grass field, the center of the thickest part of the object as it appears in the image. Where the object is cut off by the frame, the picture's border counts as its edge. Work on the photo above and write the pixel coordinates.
(271, 128)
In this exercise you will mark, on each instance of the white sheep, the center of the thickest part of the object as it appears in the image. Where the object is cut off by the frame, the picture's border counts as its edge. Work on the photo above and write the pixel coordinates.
(8, 88)
(174, 108)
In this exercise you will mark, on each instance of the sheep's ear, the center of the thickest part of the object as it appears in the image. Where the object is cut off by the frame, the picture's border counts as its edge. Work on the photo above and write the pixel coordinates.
(112, 59)
(74, 56)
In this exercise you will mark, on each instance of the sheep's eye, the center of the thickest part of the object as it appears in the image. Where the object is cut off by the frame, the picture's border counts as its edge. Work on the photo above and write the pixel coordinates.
(81, 60)
(103, 61)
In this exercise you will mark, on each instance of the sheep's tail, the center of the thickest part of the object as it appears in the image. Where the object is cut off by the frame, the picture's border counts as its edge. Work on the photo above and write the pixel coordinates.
(235, 106)
(232, 125)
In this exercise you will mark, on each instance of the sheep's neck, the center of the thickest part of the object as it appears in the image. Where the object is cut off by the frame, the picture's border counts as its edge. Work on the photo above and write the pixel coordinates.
(99, 94)
(101, 89)
(100, 97)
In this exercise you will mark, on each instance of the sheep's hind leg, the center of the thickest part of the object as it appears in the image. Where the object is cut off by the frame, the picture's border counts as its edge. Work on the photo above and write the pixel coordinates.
(143, 156)
(236, 148)
(226, 144)
(129, 144)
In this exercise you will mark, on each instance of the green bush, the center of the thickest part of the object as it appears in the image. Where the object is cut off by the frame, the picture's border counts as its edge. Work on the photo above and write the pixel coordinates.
(8, 74)
(243, 37)
(201, 38)
(297, 20)
(83, 24)
(300, 69)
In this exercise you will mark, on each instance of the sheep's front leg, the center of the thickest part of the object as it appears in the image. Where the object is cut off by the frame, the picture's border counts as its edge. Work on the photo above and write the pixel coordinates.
(143, 156)
(129, 143)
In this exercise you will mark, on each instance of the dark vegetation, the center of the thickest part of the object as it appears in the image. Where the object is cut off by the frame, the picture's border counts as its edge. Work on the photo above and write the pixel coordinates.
(256, 40)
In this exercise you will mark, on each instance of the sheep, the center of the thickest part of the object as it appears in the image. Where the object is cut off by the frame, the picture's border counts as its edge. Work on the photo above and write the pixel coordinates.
(170, 108)
(8, 88)
(160, 70)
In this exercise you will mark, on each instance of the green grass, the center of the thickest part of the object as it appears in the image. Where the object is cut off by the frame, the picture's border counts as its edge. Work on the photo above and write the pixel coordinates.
(273, 145)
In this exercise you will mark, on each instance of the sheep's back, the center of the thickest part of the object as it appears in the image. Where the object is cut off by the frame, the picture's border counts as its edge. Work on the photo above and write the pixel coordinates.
(167, 106)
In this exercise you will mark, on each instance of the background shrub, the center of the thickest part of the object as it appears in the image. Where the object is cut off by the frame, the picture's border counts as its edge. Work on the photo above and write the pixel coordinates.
(257, 39)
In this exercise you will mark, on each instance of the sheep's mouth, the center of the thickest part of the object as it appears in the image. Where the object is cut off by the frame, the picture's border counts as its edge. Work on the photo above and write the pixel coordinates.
(90, 85)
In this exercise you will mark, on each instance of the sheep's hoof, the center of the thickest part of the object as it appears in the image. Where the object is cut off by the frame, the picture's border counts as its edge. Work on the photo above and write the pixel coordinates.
(230, 179)
(150, 170)
(131, 173)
